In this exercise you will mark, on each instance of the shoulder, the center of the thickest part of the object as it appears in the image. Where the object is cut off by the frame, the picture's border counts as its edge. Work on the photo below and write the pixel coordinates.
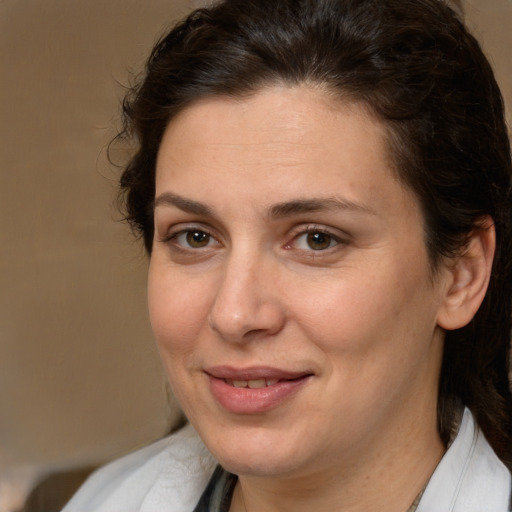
(168, 476)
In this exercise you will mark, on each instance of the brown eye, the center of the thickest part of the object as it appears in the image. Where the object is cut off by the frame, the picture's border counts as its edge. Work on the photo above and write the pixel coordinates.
(197, 239)
(319, 241)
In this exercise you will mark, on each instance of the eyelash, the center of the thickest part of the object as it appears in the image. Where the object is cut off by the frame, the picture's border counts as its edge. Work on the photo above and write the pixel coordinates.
(332, 242)
(173, 238)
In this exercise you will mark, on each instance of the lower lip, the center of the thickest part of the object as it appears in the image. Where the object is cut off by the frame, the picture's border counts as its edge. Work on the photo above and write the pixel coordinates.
(254, 401)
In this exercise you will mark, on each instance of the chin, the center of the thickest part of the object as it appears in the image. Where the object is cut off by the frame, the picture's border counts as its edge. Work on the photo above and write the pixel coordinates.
(258, 453)
(259, 465)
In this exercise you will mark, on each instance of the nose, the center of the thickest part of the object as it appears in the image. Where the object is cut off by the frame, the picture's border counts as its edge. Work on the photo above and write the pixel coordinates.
(247, 304)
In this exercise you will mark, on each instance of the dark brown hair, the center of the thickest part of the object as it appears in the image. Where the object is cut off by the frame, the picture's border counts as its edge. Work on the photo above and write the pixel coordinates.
(416, 67)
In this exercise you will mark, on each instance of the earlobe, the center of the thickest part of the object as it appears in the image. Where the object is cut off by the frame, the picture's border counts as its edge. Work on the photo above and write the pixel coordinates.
(469, 278)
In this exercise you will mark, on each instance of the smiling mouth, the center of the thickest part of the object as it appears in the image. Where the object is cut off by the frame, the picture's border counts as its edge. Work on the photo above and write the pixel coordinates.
(255, 377)
(254, 390)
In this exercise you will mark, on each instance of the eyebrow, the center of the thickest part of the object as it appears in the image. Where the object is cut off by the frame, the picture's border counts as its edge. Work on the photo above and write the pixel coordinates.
(277, 211)
(299, 206)
(184, 204)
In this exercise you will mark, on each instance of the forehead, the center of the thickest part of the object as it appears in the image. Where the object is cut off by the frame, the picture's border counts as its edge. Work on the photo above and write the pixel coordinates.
(295, 113)
(296, 140)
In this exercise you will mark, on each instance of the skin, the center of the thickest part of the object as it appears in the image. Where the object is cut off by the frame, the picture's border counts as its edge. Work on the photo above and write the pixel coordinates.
(361, 311)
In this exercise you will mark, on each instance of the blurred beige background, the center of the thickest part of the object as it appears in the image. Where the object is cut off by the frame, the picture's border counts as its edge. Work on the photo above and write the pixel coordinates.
(80, 380)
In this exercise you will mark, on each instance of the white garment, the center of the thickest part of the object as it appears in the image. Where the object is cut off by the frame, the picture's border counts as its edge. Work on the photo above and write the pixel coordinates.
(170, 476)
(167, 476)
(470, 477)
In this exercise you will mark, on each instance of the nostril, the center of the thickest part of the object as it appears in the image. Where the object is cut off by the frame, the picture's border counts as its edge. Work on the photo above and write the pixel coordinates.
(246, 323)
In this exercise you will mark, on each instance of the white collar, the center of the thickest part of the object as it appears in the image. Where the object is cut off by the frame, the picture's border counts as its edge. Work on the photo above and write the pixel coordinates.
(470, 477)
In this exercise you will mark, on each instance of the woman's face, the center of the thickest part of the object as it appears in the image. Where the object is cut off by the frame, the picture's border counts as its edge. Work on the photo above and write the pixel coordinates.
(289, 286)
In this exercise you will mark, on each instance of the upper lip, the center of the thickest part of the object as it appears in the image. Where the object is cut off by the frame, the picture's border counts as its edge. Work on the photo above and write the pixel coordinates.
(254, 373)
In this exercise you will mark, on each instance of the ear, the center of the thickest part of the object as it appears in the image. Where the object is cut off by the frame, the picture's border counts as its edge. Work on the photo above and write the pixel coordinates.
(469, 276)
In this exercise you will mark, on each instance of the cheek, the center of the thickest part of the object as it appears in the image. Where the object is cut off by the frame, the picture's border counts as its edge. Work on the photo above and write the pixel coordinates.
(372, 318)
(178, 309)
(345, 307)
(374, 337)
(175, 310)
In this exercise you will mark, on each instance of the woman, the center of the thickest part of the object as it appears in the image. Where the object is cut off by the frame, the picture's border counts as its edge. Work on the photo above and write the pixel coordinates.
(324, 190)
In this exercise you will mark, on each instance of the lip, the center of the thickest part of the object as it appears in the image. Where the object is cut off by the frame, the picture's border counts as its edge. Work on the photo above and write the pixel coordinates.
(254, 373)
(244, 400)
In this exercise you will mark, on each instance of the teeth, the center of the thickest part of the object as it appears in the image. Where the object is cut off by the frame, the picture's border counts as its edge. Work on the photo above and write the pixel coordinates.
(253, 384)
(257, 384)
